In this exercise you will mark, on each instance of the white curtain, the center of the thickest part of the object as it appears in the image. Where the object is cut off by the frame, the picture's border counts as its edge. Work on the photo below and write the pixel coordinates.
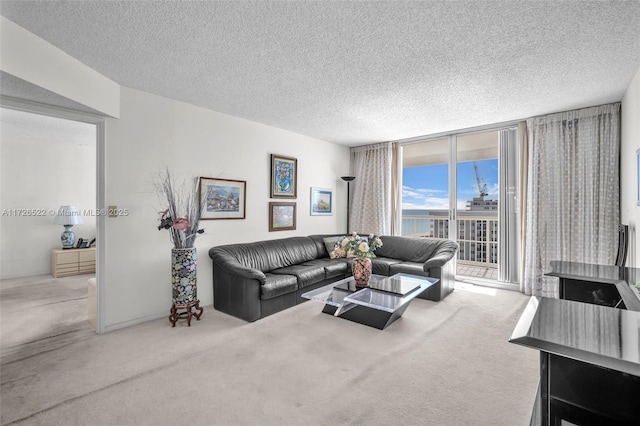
(523, 141)
(371, 198)
(396, 201)
(573, 192)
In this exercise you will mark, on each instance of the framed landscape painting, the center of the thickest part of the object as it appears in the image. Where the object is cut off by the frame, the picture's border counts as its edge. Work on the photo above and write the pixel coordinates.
(282, 216)
(284, 176)
(223, 198)
(321, 202)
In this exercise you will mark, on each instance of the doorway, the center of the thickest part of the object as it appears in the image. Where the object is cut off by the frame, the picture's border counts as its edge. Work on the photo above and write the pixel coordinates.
(50, 159)
(463, 187)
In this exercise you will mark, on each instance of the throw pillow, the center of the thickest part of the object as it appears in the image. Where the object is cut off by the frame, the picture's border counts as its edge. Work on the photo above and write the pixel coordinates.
(334, 248)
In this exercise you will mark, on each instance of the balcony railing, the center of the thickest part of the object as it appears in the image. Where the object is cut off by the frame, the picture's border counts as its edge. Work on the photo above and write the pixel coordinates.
(477, 234)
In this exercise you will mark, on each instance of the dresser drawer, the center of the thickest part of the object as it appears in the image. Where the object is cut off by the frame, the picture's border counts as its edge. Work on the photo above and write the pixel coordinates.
(66, 257)
(86, 267)
(73, 262)
(67, 269)
(87, 255)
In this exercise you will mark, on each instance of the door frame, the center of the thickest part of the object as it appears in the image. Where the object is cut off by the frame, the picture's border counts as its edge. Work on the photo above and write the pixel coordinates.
(99, 122)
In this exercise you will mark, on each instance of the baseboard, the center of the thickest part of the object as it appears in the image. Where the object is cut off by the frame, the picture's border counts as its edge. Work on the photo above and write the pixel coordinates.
(118, 326)
(25, 275)
(488, 283)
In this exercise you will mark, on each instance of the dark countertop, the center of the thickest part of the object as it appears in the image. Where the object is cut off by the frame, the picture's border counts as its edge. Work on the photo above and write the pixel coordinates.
(625, 279)
(599, 335)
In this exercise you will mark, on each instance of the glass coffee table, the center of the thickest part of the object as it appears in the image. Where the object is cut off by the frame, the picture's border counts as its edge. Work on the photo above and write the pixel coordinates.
(378, 305)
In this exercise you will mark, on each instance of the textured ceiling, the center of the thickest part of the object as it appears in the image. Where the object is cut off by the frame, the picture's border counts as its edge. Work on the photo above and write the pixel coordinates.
(355, 72)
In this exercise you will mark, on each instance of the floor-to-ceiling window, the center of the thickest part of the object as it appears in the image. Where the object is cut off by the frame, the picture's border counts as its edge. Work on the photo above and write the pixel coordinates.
(478, 213)
(425, 189)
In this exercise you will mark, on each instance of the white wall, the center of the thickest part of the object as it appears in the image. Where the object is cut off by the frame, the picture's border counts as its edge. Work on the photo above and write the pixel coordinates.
(45, 163)
(630, 135)
(155, 132)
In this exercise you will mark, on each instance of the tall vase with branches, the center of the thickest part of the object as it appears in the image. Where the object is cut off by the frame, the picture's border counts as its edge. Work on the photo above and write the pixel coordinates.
(181, 219)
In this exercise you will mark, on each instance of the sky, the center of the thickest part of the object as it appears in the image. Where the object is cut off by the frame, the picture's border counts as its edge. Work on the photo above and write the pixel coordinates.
(426, 187)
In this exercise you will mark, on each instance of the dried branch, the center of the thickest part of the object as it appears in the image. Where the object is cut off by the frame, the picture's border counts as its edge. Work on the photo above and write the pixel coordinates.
(184, 210)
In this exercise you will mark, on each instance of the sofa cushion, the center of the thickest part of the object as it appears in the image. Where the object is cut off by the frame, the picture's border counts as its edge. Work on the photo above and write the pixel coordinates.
(272, 254)
(332, 267)
(276, 285)
(412, 268)
(306, 274)
(408, 249)
(380, 265)
(334, 248)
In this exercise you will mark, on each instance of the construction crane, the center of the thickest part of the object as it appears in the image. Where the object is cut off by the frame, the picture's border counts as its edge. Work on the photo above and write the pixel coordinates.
(482, 187)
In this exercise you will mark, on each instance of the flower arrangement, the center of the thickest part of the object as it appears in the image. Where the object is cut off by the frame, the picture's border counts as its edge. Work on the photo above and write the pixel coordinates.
(361, 247)
(183, 213)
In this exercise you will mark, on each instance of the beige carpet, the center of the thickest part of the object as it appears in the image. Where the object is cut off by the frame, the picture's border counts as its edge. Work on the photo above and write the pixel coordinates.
(445, 363)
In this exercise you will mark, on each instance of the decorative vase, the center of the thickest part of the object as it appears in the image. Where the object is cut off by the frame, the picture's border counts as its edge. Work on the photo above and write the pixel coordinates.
(183, 273)
(68, 237)
(183, 284)
(361, 267)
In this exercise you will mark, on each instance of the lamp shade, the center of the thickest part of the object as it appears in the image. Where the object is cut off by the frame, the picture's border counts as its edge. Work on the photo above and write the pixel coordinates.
(68, 215)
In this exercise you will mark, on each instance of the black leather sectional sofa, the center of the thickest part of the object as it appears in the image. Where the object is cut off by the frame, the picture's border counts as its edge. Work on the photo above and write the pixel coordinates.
(253, 280)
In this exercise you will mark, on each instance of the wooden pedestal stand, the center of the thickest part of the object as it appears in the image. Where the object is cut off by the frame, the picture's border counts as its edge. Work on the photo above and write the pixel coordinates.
(184, 285)
(180, 311)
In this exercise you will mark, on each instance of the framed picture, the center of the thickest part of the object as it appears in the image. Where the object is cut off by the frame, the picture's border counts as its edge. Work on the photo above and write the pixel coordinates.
(321, 201)
(282, 216)
(284, 176)
(223, 198)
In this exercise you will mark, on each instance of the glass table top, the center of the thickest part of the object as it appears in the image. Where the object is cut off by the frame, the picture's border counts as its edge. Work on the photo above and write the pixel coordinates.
(334, 293)
(383, 293)
(400, 284)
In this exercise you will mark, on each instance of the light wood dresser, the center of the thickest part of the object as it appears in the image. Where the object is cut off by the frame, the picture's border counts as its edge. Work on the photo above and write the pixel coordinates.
(65, 262)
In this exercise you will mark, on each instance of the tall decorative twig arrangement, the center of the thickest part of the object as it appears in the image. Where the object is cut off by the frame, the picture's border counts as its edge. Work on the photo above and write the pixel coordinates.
(181, 218)
(184, 209)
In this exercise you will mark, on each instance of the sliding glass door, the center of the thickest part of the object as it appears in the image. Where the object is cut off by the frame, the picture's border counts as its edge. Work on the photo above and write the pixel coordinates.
(479, 213)
(477, 196)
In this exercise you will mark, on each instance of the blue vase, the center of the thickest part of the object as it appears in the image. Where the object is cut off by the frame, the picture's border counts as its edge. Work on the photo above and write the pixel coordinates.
(68, 237)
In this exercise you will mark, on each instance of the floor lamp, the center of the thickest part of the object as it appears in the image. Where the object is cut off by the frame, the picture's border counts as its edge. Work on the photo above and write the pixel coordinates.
(348, 179)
